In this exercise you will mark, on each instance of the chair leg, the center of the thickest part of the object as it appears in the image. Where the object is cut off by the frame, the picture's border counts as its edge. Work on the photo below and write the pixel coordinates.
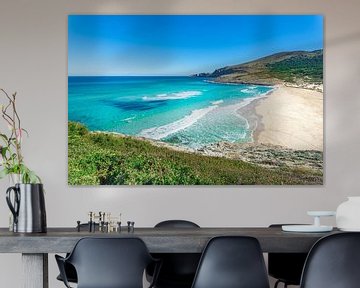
(277, 283)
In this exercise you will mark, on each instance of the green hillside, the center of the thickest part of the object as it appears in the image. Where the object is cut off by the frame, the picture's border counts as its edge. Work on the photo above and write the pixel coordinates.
(99, 158)
(285, 67)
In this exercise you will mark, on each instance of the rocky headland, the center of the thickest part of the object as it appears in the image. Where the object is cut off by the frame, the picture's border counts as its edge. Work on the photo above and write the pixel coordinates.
(302, 69)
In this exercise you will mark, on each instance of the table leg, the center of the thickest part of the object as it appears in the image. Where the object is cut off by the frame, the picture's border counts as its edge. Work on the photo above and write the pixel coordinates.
(35, 270)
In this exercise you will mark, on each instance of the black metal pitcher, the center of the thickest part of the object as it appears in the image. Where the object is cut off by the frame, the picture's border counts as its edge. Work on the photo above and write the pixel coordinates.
(28, 208)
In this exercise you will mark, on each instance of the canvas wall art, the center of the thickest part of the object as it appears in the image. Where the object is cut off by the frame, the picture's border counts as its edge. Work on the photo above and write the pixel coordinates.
(195, 100)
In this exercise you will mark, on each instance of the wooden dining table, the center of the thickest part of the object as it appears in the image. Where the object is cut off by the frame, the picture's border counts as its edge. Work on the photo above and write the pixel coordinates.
(35, 247)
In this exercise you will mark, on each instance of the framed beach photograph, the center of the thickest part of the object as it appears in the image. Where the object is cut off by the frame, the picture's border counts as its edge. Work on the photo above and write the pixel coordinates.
(195, 100)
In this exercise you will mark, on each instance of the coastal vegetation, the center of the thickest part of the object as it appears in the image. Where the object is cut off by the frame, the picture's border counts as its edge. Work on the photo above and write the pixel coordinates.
(294, 67)
(109, 159)
(308, 67)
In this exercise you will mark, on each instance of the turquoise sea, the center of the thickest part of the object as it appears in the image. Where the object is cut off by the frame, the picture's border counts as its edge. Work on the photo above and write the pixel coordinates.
(185, 111)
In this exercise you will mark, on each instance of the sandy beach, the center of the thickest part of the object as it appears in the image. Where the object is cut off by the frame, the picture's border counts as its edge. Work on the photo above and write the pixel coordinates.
(292, 118)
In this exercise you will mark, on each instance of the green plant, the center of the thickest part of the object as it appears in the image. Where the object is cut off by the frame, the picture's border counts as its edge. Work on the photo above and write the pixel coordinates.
(12, 161)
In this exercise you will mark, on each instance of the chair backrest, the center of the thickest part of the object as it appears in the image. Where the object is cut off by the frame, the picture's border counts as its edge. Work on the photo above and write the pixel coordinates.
(177, 268)
(176, 224)
(286, 266)
(232, 262)
(333, 262)
(110, 262)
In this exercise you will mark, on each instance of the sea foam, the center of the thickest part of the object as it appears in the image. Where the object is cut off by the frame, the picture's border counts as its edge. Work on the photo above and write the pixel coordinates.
(248, 90)
(217, 102)
(164, 131)
(173, 96)
(129, 119)
(160, 132)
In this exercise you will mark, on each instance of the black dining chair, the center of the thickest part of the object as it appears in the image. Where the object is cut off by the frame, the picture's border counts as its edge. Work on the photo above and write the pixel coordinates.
(286, 267)
(178, 269)
(232, 262)
(70, 271)
(333, 262)
(108, 263)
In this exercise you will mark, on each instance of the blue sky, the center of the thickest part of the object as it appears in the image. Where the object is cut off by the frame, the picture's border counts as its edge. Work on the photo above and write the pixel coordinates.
(139, 45)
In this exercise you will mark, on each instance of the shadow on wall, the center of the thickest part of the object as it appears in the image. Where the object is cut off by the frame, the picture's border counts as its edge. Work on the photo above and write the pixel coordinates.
(342, 70)
(138, 7)
(343, 39)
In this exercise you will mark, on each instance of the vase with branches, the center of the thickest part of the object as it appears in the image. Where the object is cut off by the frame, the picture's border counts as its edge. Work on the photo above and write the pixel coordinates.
(11, 158)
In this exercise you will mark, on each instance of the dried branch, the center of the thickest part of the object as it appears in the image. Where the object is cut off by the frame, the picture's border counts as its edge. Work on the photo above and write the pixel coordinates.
(12, 159)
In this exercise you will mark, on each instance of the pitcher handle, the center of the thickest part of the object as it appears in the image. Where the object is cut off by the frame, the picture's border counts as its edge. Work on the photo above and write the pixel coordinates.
(13, 208)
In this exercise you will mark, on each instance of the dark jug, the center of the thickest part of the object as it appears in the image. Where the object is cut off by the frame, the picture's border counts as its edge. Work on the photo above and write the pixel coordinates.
(28, 208)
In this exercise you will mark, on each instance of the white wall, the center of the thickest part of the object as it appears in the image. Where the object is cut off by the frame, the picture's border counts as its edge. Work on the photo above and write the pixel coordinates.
(33, 62)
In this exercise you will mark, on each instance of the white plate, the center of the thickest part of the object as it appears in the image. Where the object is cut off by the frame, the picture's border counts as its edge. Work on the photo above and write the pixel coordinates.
(306, 228)
(350, 229)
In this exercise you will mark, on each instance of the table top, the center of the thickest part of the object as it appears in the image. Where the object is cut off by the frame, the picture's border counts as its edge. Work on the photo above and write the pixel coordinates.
(158, 240)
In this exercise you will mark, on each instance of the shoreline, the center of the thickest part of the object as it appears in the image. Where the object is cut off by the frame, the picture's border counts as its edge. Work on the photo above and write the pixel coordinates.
(289, 109)
(270, 143)
(274, 116)
(260, 110)
(249, 113)
(264, 155)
